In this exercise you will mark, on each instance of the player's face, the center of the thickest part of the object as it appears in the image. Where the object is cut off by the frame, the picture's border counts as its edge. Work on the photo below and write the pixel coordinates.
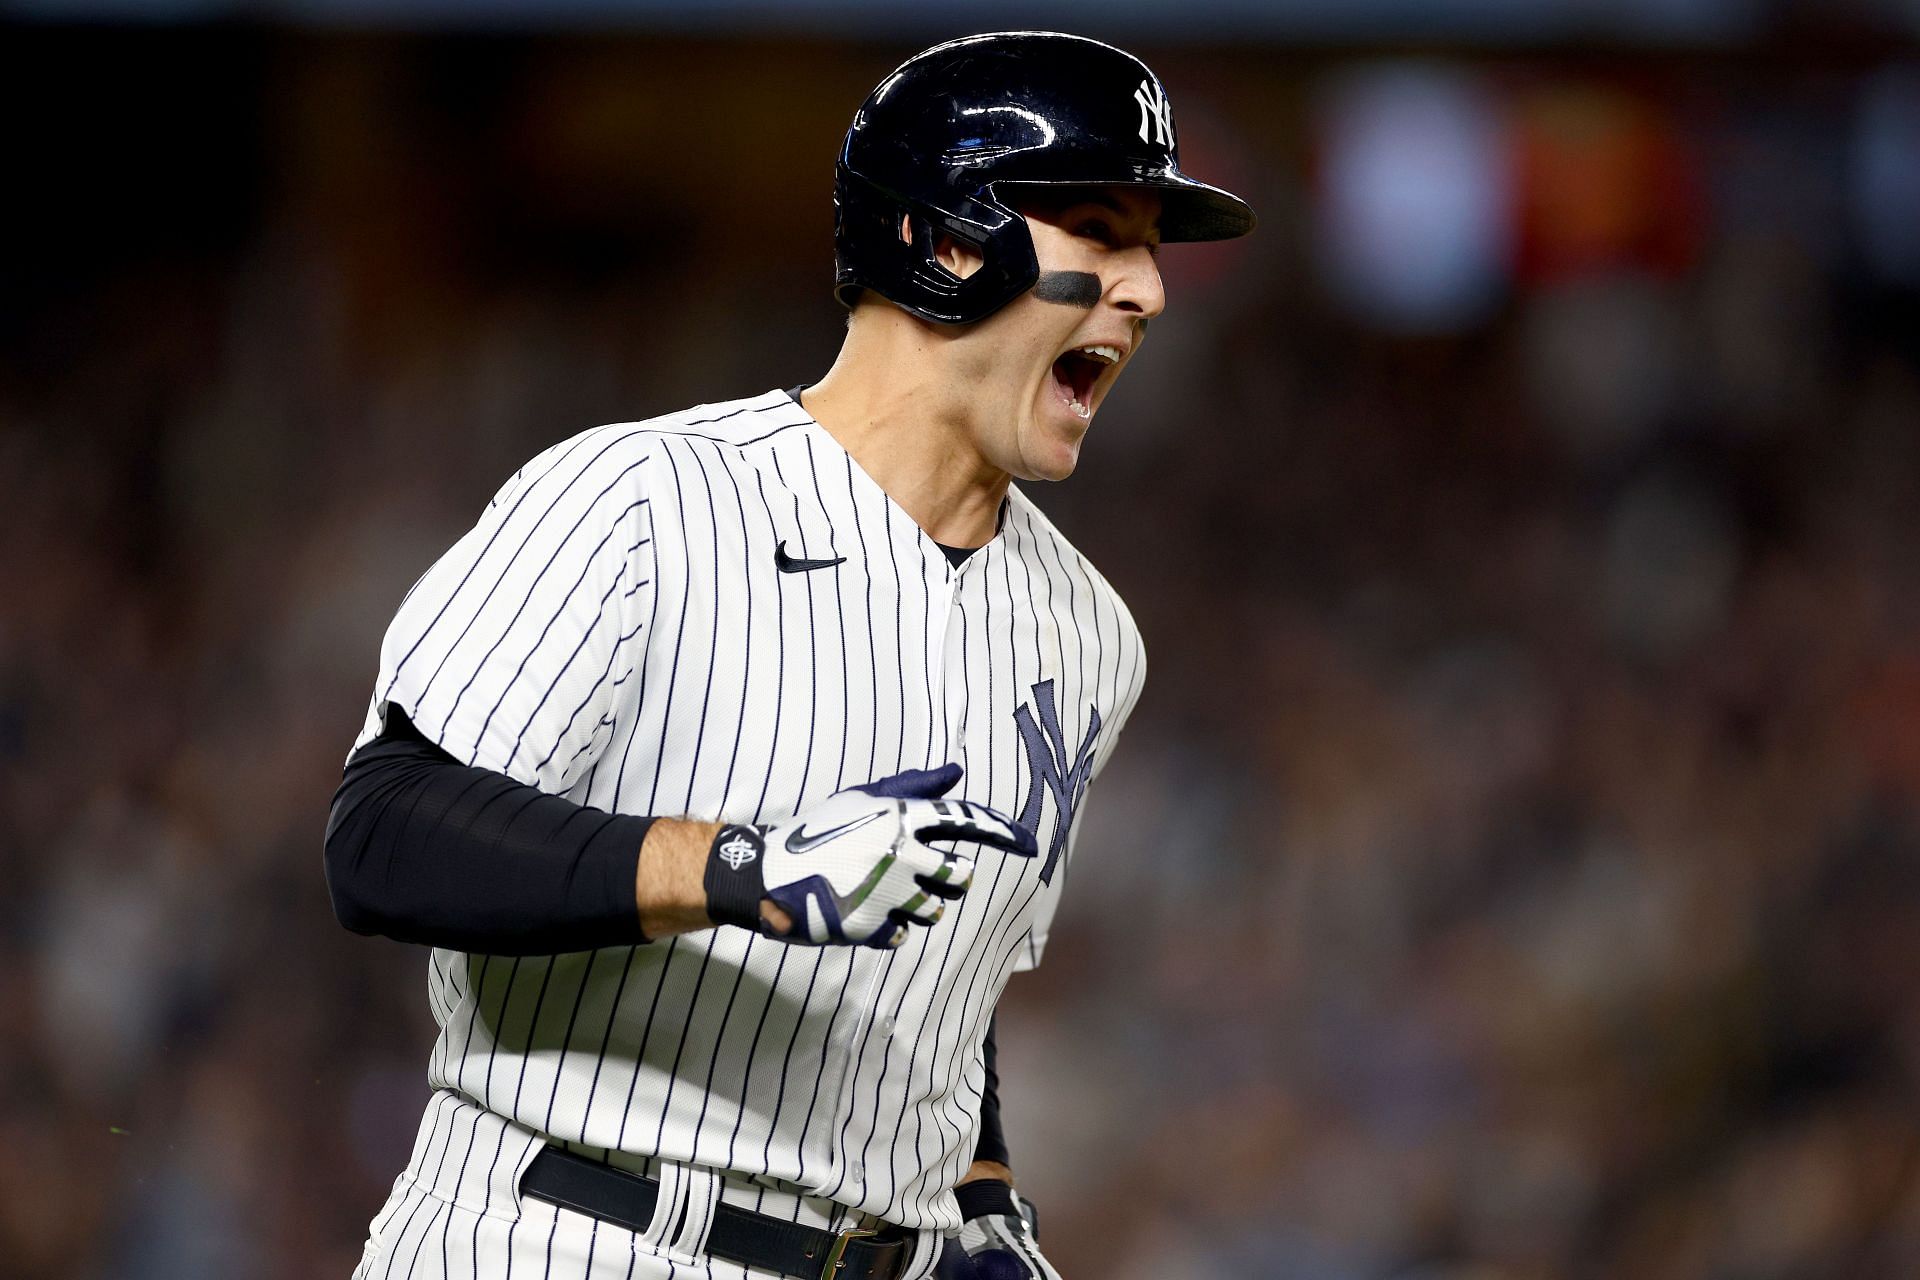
(1042, 365)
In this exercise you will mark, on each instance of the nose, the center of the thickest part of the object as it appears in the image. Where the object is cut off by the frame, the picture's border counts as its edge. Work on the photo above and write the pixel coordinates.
(1137, 288)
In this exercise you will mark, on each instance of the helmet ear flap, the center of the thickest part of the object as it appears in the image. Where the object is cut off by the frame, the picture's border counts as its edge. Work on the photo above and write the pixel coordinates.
(868, 245)
(908, 272)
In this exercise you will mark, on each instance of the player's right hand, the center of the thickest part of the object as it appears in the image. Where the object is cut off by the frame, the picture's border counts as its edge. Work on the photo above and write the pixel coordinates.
(857, 868)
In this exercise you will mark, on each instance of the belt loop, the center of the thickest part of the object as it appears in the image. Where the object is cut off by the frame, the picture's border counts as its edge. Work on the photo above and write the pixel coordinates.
(666, 1208)
(699, 1192)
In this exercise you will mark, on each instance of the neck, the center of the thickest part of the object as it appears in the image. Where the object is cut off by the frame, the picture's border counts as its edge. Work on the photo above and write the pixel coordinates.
(886, 403)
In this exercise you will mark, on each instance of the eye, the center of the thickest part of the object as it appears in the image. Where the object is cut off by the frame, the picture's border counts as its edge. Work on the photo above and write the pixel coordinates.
(1095, 229)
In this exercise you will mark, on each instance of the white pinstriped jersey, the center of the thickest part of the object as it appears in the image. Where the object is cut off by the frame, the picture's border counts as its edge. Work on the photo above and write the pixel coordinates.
(615, 630)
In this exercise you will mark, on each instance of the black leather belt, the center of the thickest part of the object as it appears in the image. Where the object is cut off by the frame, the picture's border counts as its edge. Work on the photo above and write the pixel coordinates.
(739, 1235)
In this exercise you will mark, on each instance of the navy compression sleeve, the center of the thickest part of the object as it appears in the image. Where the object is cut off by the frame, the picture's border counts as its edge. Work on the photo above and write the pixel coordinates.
(425, 849)
(993, 1142)
(987, 1196)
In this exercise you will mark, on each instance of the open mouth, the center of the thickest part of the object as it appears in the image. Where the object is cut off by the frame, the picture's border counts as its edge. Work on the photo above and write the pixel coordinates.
(1075, 372)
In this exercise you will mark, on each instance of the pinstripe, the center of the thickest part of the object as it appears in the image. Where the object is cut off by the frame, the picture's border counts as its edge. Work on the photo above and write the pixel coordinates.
(813, 646)
(387, 1215)
(873, 668)
(760, 805)
(786, 1064)
(1059, 654)
(534, 716)
(934, 670)
(507, 630)
(920, 946)
(713, 639)
(1072, 710)
(863, 1024)
(440, 1207)
(640, 695)
(719, 694)
(672, 947)
(606, 1038)
(693, 766)
(958, 910)
(466, 1151)
(466, 577)
(899, 630)
(480, 609)
(533, 1022)
(646, 1033)
(499, 1143)
(780, 654)
(613, 658)
(420, 1200)
(471, 998)
(746, 684)
(840, 611)
(958, 1155)
(686, 1027)
(499, 1019)
(753, 1056)
(840, 773)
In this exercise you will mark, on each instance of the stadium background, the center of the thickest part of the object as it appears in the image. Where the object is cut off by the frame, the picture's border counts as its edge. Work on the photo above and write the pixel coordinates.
(1511, 870)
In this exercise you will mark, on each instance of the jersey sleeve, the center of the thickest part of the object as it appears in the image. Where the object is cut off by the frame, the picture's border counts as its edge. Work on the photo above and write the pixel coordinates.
(511, 651)
(1135, 667)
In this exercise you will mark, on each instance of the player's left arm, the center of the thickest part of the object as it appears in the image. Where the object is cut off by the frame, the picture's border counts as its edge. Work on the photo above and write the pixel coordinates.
(999, 1238)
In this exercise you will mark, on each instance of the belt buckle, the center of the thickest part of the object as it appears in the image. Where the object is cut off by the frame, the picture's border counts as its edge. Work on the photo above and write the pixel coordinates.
(832, 1262)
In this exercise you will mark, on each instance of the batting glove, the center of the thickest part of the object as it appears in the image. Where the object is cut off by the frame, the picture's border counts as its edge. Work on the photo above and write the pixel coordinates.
(1000, 1235)
(855, 869)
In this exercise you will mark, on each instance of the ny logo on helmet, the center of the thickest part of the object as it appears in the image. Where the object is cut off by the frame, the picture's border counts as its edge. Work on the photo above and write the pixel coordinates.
(1155, 110)
(1048, 770)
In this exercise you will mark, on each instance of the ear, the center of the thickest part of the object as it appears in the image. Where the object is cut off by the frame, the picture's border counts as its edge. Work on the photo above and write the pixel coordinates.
(956, 257)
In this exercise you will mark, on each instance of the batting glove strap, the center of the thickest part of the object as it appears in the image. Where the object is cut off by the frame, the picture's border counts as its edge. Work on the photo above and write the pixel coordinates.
(1003, 1244)
(736, 876)
(986, 1197)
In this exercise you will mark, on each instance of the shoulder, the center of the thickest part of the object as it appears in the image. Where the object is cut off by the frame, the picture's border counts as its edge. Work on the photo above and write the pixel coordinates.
(1045, 550)
(641, 457)
(738, 424)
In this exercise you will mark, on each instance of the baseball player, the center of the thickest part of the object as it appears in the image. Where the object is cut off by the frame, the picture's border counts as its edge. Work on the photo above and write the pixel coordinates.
(731, 763)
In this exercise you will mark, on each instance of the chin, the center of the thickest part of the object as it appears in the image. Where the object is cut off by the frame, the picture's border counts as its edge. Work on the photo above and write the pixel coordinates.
(1049, 444)
(1055, 464)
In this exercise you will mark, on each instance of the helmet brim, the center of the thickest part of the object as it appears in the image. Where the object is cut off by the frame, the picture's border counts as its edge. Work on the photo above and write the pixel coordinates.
(1190, 210)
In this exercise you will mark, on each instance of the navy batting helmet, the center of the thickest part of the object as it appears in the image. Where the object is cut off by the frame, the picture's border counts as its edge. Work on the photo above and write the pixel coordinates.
(955, 129)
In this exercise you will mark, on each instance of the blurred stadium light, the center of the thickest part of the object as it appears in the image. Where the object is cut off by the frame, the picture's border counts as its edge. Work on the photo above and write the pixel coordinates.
(1415, 203)
(1886, 177)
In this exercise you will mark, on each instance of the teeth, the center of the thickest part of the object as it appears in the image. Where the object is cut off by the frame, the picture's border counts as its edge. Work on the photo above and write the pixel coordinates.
(1079, 408)
(1104, 354)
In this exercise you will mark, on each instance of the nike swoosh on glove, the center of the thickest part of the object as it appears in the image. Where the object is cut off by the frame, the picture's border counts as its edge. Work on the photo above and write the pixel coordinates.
(857, 869)
(999, 1234)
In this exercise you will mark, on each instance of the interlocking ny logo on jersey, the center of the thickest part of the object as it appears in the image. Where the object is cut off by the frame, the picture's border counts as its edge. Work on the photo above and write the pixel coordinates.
(1047, 769)
(1154, 110)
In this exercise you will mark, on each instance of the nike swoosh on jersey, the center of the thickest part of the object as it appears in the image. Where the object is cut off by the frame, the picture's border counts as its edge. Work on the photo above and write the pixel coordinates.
(789, 564)
(800, 842)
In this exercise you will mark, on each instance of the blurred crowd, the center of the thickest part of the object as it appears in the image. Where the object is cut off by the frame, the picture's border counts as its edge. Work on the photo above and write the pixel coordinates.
(1513, 868)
